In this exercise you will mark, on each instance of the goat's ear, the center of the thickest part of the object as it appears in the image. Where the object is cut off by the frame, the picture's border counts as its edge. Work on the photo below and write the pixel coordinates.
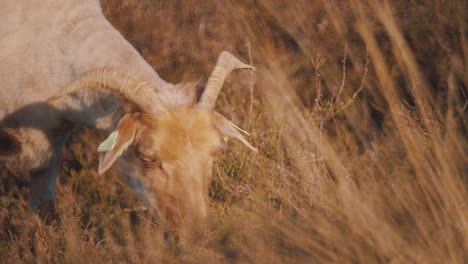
(228, 129)
(118, 141)
(9, 144)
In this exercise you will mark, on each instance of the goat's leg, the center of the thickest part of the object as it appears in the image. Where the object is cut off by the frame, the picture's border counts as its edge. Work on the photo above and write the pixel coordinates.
(42, 192)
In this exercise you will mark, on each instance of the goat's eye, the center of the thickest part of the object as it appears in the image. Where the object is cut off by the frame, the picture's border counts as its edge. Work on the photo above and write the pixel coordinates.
(151, 162)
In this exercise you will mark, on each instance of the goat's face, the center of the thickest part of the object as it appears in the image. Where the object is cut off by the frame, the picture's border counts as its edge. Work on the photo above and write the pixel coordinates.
(172, 155)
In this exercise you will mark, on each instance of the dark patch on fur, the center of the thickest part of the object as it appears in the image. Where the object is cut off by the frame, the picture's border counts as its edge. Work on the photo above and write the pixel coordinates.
(9, 145)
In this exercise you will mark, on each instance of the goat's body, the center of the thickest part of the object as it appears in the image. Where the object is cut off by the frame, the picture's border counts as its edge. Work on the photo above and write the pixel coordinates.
(44, 45)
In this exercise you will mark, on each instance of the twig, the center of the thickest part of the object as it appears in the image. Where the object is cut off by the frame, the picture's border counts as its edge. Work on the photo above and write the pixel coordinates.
(318, 63)
(360, 87)
(98, 243)
(251, 84)
(343, 79)
(466, 101)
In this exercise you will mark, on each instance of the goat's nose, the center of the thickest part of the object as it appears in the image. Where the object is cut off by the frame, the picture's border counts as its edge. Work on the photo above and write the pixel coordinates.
(200, 209)
(204, 211)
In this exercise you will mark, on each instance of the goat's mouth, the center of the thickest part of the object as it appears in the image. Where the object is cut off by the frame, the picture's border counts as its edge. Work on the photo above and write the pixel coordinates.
(175, 212)
(173, 216)
(178, 219)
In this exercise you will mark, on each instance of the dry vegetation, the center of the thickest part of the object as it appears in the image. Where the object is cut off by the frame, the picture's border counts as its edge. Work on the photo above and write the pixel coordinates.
(359, 113)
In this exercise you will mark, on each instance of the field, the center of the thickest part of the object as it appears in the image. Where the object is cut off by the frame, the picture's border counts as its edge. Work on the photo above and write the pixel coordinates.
(358, 109)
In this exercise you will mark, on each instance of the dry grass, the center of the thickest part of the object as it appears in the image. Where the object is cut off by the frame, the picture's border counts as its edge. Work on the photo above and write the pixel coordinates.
(359, 113)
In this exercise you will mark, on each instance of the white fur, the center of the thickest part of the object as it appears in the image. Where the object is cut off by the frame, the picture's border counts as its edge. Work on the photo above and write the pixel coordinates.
(44, 45)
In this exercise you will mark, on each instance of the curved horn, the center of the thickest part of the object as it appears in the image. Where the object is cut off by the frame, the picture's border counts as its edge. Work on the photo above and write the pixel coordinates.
(128, 85)
(224, 66)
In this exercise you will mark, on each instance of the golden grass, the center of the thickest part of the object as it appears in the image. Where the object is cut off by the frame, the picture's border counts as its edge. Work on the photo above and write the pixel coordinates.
(359, 115)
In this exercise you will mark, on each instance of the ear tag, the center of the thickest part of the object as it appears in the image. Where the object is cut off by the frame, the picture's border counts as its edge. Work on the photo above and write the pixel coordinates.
(120, 153)
(109, 143)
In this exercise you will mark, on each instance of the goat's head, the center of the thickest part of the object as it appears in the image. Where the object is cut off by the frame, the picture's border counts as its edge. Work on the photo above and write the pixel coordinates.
(167, 156)
(170, 159)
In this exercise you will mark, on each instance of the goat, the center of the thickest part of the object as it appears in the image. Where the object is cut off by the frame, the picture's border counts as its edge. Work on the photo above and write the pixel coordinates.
(64, 65)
